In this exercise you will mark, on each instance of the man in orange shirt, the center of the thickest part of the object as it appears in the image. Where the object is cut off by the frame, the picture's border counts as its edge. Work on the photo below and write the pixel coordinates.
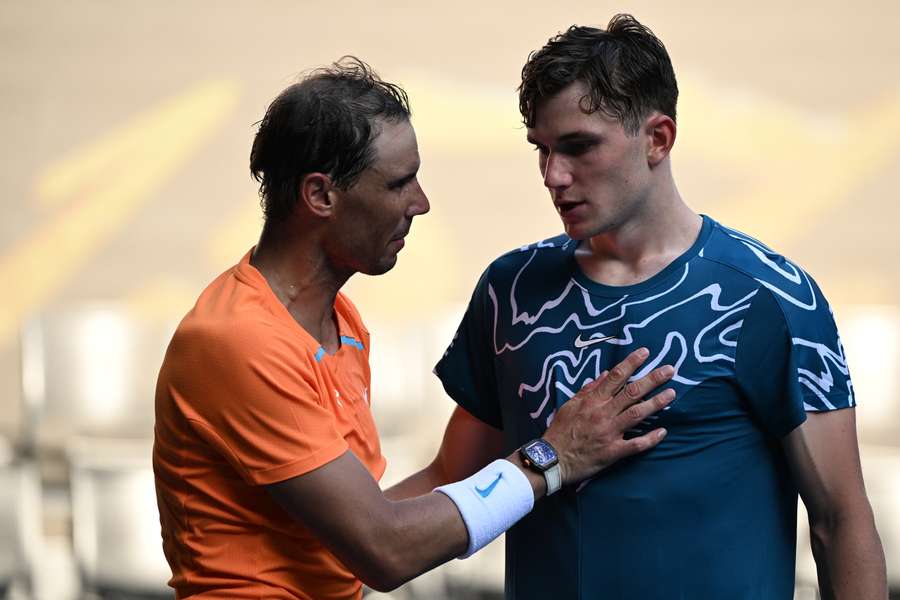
(266, 456)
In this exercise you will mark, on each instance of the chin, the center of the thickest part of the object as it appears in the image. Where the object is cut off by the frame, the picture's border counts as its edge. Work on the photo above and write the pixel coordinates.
(578, 231)
(585, 230)
(382, 266)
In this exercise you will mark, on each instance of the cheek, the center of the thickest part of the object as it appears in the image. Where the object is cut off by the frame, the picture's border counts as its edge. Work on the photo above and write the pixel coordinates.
(380, 227)
(616, 174)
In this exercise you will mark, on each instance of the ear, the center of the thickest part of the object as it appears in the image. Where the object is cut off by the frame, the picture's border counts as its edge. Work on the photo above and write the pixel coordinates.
(660, 130)
(316, 194)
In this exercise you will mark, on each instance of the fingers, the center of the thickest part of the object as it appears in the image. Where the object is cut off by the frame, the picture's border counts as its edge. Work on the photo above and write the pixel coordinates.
(620, 373)
(636, 413)
(642, 443)
(635, 391)
(591, 385)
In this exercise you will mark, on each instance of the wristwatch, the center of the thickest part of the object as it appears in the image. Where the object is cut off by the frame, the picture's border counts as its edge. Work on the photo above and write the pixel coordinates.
(541, 456)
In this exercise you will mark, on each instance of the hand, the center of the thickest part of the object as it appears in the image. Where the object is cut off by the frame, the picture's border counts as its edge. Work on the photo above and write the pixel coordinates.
(587, 431)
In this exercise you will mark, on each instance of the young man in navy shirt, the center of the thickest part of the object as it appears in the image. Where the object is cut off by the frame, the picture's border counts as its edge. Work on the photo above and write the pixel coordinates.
(764, 403)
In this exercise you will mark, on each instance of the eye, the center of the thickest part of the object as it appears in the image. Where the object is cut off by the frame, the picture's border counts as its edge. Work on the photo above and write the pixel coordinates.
(577, 148)
(402, 184)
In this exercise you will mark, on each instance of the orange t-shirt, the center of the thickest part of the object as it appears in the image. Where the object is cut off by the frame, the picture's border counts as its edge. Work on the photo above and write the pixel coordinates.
(246, 397)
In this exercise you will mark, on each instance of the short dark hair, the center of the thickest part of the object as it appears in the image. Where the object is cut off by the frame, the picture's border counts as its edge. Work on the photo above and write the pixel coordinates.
(324, 123)
(626, 69)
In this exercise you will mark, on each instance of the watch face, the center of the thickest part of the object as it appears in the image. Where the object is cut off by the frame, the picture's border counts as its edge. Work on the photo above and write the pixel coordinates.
(541, 454)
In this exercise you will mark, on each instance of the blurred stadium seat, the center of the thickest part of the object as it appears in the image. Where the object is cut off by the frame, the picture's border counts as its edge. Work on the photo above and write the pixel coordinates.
(89, 371)
(88, 381)
(115, 522)
(19, 521)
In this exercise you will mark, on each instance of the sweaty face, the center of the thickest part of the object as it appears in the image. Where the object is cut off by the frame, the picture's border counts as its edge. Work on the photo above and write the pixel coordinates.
(597, 175)
(374, 215)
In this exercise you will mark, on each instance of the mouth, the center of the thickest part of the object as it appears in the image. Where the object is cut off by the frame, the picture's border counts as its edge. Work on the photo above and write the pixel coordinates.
(399, 239)
(569, 211)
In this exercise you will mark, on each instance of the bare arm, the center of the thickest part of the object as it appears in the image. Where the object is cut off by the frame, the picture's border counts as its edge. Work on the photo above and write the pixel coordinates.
(468, 445)
(386, 541)
(824, 457)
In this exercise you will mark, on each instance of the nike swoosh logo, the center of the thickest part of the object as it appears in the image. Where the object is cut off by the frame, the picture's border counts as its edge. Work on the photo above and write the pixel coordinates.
(484, 493)
(580, 343)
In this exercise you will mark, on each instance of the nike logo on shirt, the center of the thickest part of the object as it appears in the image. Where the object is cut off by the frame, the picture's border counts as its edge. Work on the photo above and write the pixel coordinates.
(484, 493)
(581, 343)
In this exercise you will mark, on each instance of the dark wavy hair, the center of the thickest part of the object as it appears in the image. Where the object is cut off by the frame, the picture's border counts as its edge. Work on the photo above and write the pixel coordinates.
(325, 123)
(625, 68)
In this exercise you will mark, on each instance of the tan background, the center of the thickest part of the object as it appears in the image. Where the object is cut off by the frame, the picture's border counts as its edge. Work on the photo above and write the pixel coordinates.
(126, 129)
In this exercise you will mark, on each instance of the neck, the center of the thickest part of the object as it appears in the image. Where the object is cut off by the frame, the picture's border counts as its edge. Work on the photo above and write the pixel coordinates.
(304, 280)
(659, 230)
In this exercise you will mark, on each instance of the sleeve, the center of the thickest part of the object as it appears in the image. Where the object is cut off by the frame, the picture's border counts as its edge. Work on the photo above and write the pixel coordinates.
(790, 361)
(255, 399)
(467, 369)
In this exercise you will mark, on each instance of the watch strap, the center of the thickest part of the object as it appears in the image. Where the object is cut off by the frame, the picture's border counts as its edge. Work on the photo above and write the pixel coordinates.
(553, 477)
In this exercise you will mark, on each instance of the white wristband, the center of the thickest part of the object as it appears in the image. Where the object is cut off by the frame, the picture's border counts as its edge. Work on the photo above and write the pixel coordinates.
(490, 501)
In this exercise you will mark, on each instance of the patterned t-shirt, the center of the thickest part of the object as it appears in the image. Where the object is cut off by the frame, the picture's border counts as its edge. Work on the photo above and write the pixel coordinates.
(710, 512)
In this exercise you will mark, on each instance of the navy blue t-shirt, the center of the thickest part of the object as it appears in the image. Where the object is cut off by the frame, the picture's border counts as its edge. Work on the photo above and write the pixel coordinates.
(711, 511)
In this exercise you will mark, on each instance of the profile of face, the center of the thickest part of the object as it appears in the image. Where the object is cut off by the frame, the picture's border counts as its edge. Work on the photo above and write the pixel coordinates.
(374, 215)
(598, 176)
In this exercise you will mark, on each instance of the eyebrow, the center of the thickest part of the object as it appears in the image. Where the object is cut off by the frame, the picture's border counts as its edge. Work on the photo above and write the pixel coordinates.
(579, 136)
(574, 136)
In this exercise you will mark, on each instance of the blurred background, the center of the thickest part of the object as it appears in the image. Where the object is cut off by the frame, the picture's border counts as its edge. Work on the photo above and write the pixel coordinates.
(126, 134)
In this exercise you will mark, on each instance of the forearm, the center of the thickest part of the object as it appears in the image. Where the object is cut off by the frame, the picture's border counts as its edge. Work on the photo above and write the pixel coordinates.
(417, 484)
(418, 534)
(427, 530)
(432, 476)
(849, 557)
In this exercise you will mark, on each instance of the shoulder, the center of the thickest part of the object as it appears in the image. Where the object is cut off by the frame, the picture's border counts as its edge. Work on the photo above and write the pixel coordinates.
(786, 293)
(233, 325)
(546, 254)
(238, 358)
(745, 254)
(746, 257)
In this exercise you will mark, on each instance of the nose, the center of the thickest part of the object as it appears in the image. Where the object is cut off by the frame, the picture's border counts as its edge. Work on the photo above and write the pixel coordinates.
(556, 172)
(419, 205)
